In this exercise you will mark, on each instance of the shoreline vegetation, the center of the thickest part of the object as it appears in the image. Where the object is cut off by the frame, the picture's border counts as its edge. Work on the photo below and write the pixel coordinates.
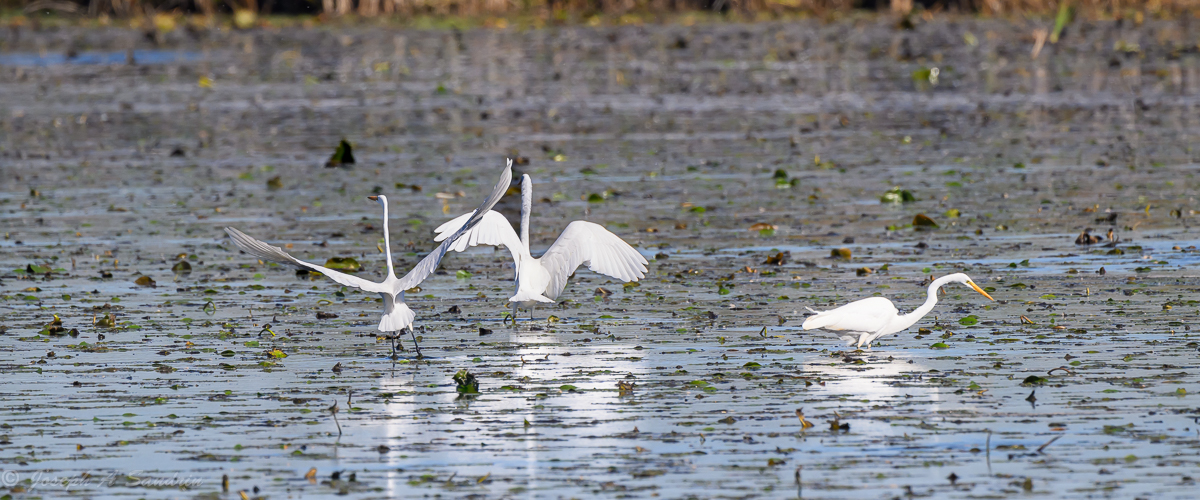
(167, 15)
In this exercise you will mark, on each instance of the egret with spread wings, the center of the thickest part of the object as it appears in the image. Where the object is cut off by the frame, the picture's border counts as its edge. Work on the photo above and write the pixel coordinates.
(542, 279)
(865, 320)
(396, 315)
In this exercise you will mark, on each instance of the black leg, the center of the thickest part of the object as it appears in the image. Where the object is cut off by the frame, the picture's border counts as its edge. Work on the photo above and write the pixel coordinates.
(414, 337)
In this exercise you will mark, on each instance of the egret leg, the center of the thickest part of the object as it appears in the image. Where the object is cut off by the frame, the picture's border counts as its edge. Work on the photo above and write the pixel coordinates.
(531, 313)
(514, 315)
(414, 337)
(396, 340)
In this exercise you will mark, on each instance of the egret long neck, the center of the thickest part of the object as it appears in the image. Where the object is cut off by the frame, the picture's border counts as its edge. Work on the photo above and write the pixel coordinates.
(387, 241)
(907, 320)
(526, 208)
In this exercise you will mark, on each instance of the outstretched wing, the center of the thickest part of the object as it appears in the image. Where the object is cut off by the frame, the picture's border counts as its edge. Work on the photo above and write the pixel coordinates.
(587, 243)
(276, 254)
(430, 263)
(494, 229)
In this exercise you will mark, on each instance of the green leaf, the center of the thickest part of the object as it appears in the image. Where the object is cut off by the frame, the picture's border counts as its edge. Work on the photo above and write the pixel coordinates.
(466, 383)
(1065, 12)
(1034, 380)
(923, 221)
(969, 320)
(347, 264)
(343, 155)
(897, 195)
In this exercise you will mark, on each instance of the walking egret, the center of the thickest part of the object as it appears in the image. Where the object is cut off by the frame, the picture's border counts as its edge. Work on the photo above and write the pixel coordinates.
(396, 315)
(542, 279)
(868, 319)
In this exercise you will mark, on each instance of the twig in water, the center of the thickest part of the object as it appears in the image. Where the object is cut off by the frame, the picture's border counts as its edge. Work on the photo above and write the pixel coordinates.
(1048, 443)
(799, 487)
(1063, 368)
(988, 451)
(334, 409)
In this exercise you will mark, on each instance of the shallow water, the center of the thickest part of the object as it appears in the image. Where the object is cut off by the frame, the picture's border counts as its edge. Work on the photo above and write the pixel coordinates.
(119, 169)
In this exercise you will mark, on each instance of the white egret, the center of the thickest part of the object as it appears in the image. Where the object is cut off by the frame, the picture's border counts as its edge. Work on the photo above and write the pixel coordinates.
(865, 320)
(396, 315)
(542, 279)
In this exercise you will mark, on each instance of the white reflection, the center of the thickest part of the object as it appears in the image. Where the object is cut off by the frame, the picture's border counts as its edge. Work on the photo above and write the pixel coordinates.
(541, 365)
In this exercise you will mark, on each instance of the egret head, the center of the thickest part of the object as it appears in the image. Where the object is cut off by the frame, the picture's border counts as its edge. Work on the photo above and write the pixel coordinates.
(966, 280)
(380, 198)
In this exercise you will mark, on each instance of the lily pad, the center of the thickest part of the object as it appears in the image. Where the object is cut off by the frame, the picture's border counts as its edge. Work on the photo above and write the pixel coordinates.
(347, 264)
(922, 221)
(1034, 380)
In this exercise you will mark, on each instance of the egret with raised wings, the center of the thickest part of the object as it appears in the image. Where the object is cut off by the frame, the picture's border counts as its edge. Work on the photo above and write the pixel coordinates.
(542, 279)
(865, 320)
(396, 315)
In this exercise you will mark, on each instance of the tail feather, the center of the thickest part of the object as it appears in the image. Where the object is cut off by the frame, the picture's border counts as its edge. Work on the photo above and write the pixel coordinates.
(397, 319)
(528, 296)
(818, 320)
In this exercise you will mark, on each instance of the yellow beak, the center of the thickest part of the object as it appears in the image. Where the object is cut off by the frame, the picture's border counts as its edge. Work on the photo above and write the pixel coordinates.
(980, 290)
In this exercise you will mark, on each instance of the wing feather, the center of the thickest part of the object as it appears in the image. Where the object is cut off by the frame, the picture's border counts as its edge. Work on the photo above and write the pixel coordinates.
(493, 230)
(430, 263)
(275, 254)
(587, 243)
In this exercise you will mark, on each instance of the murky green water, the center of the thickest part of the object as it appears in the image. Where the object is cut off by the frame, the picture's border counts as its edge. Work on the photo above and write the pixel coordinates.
(113, 171)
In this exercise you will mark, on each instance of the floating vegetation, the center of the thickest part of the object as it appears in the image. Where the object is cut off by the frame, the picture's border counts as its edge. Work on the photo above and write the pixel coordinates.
(342, 156)
(897, 195)
(348, 264)
(465, 382)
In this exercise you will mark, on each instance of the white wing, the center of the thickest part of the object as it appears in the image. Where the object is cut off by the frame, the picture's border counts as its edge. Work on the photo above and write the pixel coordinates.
(430, 263)
(588, 243)
(867, 315)
(494, 229)
(276, 254)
